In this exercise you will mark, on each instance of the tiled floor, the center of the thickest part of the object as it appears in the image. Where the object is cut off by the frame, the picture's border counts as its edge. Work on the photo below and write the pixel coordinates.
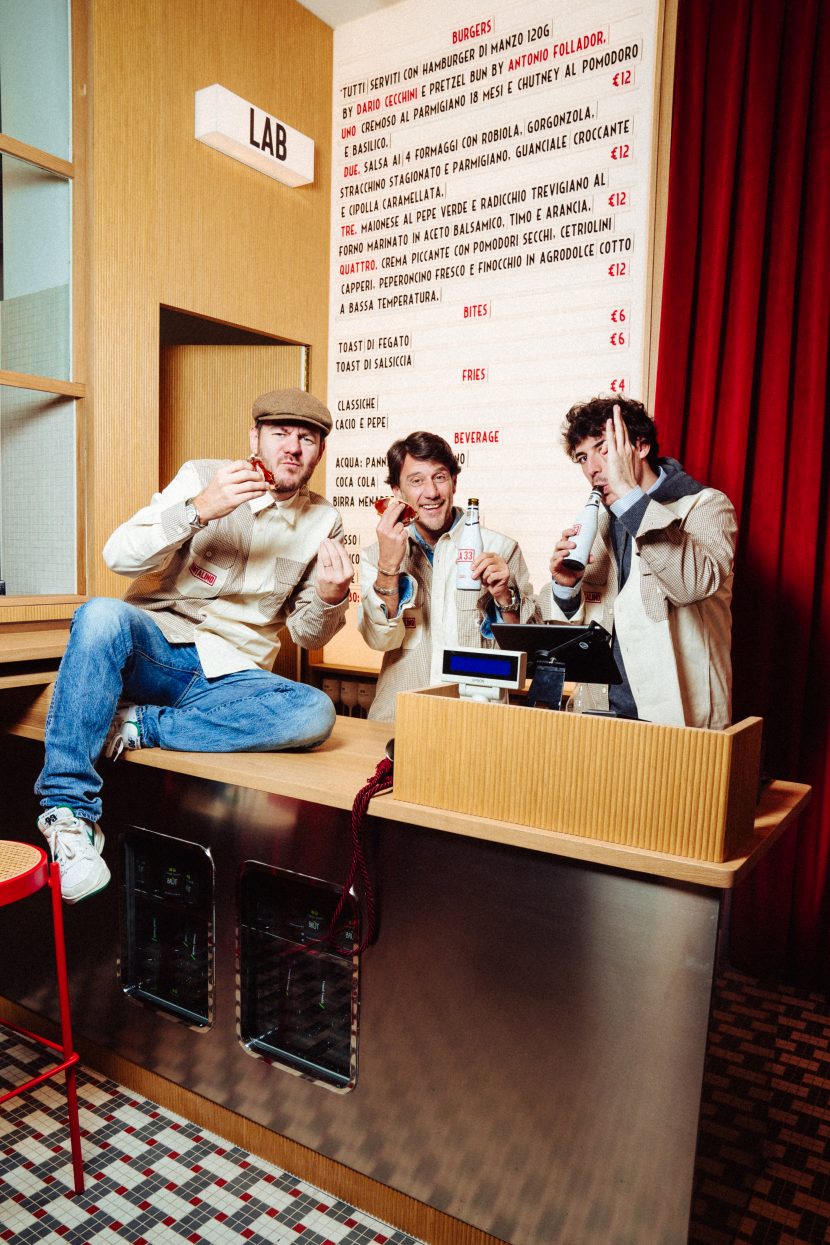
(763, 1166)
(151, 1177)
(763, 1172)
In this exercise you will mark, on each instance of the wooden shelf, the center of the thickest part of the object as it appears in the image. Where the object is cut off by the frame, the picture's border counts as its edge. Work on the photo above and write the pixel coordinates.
(32, 644)
(30, 657)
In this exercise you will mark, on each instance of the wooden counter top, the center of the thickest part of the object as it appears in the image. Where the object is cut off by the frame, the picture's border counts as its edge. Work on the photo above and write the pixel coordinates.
(332, 775)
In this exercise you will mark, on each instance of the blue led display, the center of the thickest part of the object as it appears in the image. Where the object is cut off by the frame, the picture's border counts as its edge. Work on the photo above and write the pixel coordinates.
(486, 665)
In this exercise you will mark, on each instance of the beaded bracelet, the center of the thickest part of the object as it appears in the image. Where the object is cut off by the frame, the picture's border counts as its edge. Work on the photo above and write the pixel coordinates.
(381, 571)
(386, 592)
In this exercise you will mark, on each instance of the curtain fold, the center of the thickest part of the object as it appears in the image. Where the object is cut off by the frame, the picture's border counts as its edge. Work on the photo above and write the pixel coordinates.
(742, 400)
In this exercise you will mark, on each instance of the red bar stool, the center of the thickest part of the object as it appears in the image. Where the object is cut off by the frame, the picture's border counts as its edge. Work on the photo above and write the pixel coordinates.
(25, 869)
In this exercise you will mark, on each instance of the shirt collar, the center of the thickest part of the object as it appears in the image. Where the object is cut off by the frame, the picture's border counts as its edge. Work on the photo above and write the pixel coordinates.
(287, 510)
(661, 475)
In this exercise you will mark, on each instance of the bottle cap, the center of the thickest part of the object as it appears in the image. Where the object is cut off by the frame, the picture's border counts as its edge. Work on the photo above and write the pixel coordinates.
(472, 501)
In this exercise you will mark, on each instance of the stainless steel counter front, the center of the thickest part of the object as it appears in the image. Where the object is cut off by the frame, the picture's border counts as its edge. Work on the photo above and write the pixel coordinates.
(531, 1028)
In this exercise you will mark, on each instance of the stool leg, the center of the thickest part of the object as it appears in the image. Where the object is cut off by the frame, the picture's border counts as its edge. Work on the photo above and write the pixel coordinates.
(74, 1130)
(66, 1027)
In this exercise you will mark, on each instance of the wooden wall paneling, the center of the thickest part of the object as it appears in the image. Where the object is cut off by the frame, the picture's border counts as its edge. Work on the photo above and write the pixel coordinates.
(80, 270)
(126, 163)
(178, 224)
(206, 394)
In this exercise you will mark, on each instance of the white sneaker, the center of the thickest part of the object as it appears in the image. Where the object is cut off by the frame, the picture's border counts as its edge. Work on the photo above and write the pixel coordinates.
(124, 732)
(76, 845)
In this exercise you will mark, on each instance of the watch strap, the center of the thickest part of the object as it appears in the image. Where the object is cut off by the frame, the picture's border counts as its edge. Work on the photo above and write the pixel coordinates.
(514, 605)
(192, 514)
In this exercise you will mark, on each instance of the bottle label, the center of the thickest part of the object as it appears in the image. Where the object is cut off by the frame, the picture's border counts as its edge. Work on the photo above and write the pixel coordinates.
(466, 555)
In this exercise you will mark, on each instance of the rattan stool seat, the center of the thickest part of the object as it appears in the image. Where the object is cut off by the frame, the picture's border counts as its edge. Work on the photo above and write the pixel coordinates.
(24, 870)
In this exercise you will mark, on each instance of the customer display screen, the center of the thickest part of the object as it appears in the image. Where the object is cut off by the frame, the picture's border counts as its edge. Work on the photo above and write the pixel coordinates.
(483, 665)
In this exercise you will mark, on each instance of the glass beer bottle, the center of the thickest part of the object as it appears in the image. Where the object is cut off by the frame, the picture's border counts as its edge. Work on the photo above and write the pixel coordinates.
(469, 547)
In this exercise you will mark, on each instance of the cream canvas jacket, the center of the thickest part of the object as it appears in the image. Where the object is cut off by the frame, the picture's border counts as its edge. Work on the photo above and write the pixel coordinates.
(437, 616)
(673, 616)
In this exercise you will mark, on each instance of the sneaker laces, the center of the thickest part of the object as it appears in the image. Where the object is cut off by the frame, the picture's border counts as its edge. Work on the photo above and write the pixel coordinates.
(115, 747)
(61, 847)
(124, 732)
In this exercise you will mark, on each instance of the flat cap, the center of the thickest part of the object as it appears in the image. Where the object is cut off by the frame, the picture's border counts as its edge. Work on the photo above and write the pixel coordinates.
(294, 407)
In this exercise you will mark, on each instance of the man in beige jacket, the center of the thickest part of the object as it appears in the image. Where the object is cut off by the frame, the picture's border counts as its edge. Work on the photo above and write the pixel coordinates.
(410, 608)
(660, 574)
(221, 559)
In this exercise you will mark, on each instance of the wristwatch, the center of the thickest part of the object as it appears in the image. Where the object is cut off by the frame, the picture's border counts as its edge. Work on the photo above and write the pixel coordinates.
(514, 605)
(192, 514)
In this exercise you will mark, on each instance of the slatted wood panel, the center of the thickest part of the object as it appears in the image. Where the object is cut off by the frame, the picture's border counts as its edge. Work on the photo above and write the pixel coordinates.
(675, 790)
(206, 394)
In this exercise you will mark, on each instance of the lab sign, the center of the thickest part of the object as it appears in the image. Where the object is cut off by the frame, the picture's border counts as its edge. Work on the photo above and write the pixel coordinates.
(240, 130)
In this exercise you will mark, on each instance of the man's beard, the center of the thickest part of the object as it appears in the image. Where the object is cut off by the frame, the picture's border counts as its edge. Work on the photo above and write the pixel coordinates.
(286, 484)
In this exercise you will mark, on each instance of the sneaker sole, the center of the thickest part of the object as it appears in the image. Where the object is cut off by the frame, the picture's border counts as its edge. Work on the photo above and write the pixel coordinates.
(101, 879)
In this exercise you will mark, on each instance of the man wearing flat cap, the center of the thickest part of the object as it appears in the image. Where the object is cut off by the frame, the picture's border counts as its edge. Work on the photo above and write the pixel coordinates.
(221, 560)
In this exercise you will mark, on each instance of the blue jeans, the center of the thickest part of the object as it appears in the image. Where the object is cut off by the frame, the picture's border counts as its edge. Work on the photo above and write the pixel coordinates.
(117, 652)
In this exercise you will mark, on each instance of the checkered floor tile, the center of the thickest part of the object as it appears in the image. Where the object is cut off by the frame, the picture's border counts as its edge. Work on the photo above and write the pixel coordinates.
(151, 1177)
(762, 1175)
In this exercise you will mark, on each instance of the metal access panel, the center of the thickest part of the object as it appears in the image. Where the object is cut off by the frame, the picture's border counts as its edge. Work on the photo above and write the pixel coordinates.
(298, 975)
(167, 925)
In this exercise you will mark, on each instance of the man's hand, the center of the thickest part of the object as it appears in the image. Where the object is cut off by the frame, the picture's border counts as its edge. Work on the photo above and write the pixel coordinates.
(563, 575)
(393, 540)
(623, 464)
(232, 485)
(334, 571)
(494, 574)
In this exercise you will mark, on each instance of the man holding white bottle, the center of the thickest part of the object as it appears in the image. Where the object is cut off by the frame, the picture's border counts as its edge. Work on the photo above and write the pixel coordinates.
(412, 606)
(659, 577)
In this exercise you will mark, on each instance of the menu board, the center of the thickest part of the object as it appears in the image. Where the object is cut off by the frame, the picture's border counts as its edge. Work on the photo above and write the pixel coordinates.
(491, 224)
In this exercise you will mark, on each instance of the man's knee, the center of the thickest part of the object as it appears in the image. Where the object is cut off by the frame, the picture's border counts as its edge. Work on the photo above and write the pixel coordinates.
(313, 717)
(99, 619)
(321, 715)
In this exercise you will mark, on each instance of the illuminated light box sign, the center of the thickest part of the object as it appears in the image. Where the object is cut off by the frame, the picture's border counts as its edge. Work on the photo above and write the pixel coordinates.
(246, 133)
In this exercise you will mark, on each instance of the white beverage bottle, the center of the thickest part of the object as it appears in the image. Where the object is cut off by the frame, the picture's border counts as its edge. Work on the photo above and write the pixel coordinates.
(470, 546)
(586, 530)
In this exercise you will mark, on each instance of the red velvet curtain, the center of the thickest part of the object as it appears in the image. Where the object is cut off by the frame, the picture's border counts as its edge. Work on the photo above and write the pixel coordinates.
(742, 400)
